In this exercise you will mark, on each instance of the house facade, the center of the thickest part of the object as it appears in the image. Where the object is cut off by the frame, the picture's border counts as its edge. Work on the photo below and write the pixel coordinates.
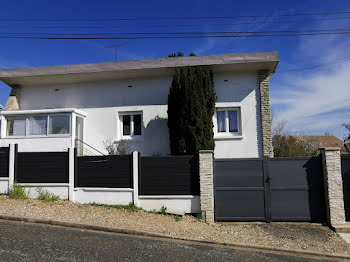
(57, 107)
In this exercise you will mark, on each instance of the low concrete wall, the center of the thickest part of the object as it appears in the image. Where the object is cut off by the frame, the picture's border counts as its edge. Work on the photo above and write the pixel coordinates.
(107, 196)
(177, 204)
(60, 190)
(4, 185)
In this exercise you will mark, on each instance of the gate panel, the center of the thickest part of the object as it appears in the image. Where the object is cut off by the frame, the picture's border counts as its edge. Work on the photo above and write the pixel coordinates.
(239, 190)
(296, 189)
(345, 170)
(104, 171)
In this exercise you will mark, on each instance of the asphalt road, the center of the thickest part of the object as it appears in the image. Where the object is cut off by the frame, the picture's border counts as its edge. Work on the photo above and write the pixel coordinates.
(34, 242)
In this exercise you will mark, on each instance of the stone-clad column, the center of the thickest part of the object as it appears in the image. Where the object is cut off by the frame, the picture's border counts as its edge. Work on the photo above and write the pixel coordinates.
(333, 185)
(14, 100)
(206, 180)
(264, 86)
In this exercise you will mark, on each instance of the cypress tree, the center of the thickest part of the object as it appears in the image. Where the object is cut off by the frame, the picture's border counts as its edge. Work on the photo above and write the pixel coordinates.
(191, 106)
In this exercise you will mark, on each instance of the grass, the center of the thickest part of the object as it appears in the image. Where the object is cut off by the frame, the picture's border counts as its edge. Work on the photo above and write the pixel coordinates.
(18, 192)
(130, 207)
(47, 196)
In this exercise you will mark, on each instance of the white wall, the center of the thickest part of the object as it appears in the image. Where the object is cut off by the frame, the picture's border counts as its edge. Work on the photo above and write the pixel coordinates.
(102, 101)
(4, 185)
(107, 196)
(38, 144)
(174, 204)
(240, 90)
(60, 190)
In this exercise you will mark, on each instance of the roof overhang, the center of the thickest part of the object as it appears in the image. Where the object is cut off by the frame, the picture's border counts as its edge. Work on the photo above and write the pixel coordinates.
(136, 68)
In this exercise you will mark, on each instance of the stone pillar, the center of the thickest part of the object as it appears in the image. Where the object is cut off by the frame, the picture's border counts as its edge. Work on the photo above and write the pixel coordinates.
(333, 182)
(265, 110)
(206, 180)
(14, 100)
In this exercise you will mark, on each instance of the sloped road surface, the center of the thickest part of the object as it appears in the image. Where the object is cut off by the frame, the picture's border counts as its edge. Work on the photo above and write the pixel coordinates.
(33, 242)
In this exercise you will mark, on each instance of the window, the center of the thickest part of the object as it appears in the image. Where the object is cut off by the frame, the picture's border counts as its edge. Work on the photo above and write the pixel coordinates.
(37, 125)
(16, 127)
(228, 121)
(131, 124)
(59, 124)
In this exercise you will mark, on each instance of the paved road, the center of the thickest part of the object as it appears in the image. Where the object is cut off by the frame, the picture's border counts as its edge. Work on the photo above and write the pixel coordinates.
(33, 242)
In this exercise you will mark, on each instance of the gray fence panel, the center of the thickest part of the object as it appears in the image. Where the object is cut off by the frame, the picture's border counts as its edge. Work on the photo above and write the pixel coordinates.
(239, 194)
(345, 170)
(42, 167)
(112, 171)
(4, 161)
(296, 189)
(169, 175)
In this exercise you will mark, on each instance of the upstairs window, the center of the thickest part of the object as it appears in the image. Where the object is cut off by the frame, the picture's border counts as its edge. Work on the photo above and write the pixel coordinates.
(228, 121)
(131, 124)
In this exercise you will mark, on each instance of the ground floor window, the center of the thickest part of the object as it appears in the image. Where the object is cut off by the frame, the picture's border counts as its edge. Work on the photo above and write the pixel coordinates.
(227, 121)
(131, 124)
(36, 125)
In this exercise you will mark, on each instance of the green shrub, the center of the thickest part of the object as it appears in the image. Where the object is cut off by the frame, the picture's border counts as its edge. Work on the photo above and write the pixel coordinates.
(163, 210)
(18, 192)
(47, 196)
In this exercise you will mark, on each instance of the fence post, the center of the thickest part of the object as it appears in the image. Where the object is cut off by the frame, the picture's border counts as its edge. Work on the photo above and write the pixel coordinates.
(71, 168)
(135, 174)
(12, 166)
(333, 183)
(206, 180)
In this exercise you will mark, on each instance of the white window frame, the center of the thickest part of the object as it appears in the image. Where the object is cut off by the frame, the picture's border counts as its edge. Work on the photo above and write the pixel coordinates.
(27, 135)
(227, 134)
(131, 136)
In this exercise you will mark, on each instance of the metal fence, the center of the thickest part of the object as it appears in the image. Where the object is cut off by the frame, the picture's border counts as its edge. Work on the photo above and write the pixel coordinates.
(171, 175)
(104, 171)
(41, 167)
(345, 170)
(4, 161)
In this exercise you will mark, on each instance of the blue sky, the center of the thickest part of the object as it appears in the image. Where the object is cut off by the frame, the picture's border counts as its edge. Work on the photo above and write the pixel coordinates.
(312, 101)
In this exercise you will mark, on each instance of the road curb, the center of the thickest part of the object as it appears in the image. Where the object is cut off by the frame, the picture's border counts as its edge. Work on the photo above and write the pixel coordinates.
(292, 252)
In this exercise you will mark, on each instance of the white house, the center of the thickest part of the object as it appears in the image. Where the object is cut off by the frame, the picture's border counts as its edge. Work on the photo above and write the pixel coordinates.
(50, 108)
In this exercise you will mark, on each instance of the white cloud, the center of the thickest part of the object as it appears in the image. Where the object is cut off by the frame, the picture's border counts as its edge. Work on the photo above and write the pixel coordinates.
(318, 101)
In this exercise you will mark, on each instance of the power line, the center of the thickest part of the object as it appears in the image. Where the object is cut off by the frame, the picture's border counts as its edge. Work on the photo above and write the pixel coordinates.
(188, 25)
(171, 37)
(335, 30)
(342, 60)
(163, 18)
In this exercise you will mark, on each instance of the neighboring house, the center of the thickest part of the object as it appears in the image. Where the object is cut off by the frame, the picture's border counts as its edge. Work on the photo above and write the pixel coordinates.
(50, 107)
(328, 140)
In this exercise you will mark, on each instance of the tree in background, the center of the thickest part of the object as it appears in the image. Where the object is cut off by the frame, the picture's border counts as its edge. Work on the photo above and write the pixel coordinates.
(347, 127)
(285, 145)
(180, 54)
(191, 106)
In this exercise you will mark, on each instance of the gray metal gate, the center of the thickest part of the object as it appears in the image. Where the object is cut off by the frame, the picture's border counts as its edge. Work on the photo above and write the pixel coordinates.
(345, 170)
(269, 189)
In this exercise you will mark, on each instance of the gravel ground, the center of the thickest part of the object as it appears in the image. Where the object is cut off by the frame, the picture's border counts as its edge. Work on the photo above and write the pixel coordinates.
(291, 236)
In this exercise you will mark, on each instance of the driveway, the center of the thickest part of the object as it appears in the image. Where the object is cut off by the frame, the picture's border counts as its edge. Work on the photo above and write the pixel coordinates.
(33, 242)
